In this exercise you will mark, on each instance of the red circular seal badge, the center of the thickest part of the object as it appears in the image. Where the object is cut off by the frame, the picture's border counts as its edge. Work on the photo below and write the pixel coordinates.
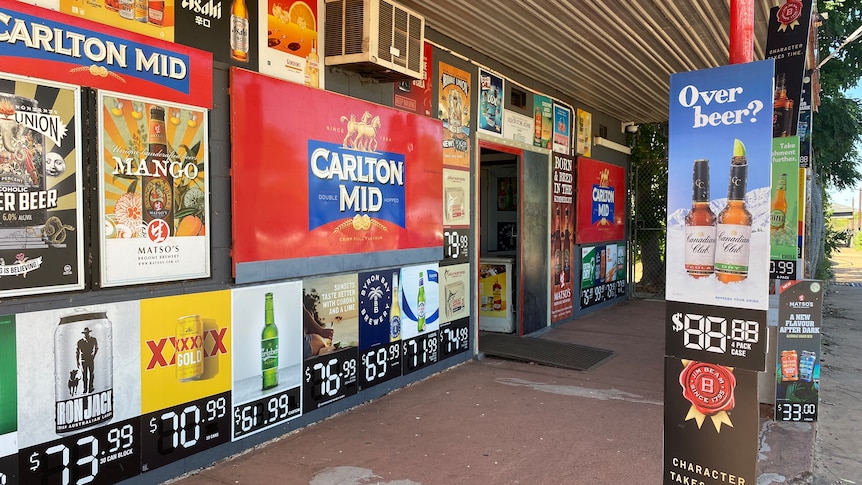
(789, 13)
(708, 387)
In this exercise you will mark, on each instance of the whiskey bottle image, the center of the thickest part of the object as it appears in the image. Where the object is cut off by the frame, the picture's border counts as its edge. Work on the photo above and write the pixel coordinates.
(312, 66)
(269, 346)
(420, 304)
(700, 225)
(733, 228)
(782, 109)
(778, 212)
(239, 31)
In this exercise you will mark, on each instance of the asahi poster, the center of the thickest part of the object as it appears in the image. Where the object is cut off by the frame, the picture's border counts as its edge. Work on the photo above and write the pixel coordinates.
(41, 227)
(711, 423)
(543, 116)
(798, 370)
(415, 95)
(290, 41)
(601, 196)
(490, 102)
(562, 129)
(154, 189)
(584, 139)
(355, 171)
(454, 111)
(84, 388)
(114, 59)
(267, 356)
(562, 237)
(720, 149)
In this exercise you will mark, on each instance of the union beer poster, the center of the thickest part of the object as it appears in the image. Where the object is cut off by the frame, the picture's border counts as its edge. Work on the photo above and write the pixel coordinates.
(719, 161)
(41, 231)
(601, 201)
(154, 191)
(320, 174)
(711, 423)
(454, 111)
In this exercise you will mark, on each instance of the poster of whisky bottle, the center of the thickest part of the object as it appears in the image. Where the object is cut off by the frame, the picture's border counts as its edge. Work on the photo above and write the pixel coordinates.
(41, 233)
(154, 191)
(290, 44)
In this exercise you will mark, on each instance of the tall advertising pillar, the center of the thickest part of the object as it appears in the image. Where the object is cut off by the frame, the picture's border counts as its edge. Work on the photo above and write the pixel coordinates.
(717, 271)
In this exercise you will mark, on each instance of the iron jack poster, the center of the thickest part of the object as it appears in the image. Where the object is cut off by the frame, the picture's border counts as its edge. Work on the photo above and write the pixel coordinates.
(719, 161)
(41, 232)
(154, 191)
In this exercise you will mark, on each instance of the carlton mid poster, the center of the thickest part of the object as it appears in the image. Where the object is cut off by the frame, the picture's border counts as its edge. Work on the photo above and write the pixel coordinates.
(320, 174)
(719, 158)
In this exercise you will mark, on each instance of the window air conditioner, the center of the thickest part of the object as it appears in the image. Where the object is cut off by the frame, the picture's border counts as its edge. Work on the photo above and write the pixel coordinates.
(376, 38)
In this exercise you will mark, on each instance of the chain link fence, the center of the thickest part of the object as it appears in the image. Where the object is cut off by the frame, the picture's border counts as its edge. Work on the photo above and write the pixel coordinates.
(648, 228)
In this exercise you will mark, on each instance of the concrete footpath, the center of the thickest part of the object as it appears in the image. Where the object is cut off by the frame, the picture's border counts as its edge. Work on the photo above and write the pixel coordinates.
(497, 421)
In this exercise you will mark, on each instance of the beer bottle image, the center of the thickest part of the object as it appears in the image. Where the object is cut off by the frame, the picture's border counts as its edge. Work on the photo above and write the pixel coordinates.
(558, 249)
(420, 304)
(239, 33)
(782, 109)
(778, 213)
(395, 311)
(269, 346)
(733, 228)
(497, 292)
(158, 186)
(700, 225)
(141, 10)
(537, 131)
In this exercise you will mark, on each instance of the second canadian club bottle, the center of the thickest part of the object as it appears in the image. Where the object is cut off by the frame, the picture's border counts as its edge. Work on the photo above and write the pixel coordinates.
(269, 346)
(733, 228)
(158, 185)
(700, 225)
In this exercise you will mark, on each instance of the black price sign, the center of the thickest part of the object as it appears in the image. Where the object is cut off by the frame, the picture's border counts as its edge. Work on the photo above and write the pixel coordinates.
(109, 454)
(419, 352)
(602, 293)
(175, 433)
(734, 337)
(9, 470)
(380, 364)
(454, 337)
(782, 270)
(265, 412)
(798, 412)
(329, 378)
(456, 244)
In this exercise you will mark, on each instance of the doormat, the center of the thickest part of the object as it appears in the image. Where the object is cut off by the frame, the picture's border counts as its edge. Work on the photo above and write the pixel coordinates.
(542, 351)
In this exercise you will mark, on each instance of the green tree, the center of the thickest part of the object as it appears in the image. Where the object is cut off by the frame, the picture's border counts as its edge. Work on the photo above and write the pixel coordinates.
(649, 204)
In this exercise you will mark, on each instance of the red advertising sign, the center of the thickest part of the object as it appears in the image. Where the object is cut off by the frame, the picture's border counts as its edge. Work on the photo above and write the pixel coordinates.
(50, 45)
(415, 96)
(320, 174)
(601, 201)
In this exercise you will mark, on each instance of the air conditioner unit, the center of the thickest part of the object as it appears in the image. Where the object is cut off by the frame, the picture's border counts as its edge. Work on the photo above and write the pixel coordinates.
(376, 38)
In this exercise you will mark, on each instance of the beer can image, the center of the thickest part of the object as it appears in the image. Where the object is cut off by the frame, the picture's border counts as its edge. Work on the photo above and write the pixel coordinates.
(806, 365)
(83, 372)
(22, 162)
(789, 365)
(190, 348)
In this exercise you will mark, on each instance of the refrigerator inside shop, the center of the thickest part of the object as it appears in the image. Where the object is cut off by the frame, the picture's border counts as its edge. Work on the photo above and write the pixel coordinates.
(497, 294)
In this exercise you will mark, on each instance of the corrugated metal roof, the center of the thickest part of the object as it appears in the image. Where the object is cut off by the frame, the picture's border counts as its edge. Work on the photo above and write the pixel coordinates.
(613, 56)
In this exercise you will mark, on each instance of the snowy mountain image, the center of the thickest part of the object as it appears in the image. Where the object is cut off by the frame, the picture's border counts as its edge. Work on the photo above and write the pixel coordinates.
(757, 202)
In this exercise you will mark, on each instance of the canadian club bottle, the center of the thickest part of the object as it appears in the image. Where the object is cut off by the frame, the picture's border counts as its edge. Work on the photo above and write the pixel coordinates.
(158, 185)
(700, 225)
(733, 229)
(420, 304)
(269, 346)
(239, 33)
(778, 213)
(782, 109)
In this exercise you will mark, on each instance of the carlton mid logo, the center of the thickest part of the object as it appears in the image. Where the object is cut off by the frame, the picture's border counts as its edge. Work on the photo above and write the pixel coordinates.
(164, 352)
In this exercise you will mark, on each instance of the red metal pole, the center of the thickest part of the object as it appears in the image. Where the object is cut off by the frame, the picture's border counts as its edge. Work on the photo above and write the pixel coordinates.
(741, 31)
